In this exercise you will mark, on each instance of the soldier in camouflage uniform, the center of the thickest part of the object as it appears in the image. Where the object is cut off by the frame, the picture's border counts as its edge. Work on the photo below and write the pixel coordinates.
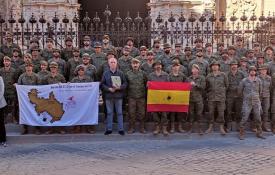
(269, 54)
(47, 53)
(196, 98)
(36, 58)
(265, 96)
(21, 69)
(160, 118)
(201, 62)
(90, 70)
(209, 55)
(220, 48)
(99, 57)
(16, 60)
(243, 66)
(182, 69)
(240, 50)
(216, 86)
(251, 59)
(156, 49)
(250, 89)
(82, 78)
(198, 46)
(72, 64)
(8, 46)
(233, 101)
(143, 55)
(257, 48)
(87, 46)
(232, 53)
(107, 46)
(124, 62)
(10, 77)
(34, 43)
(61, 63)
(136, 79)
(260, 60)
(225, 62)
(134, 52)
(178, 51)
(188, 57)
(176, 76)
(147, 66)
(29, 78)
(43, 73)
(166, 58)
(53, 78)
(271, 66)
(67, 52)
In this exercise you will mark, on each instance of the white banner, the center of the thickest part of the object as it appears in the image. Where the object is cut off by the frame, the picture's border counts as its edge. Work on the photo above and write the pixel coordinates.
(63, 104)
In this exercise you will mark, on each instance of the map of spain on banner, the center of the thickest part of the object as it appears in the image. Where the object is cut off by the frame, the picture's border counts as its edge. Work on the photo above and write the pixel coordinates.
(168, 96)
(59, 104)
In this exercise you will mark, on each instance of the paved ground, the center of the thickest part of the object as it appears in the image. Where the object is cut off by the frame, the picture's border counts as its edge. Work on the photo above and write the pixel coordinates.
(208, 155)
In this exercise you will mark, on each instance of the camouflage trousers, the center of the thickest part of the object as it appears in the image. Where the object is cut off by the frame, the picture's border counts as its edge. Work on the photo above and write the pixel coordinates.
(160, 118)
(233, 104)
(248, 107)
(220, 107)
(265, 103)
(11, 111)
(195, 111)
(136, 108)
(177, 116)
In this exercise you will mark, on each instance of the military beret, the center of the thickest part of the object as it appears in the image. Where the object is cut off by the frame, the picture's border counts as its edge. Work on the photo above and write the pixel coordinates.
(106, 37)
(234, 62)
(86, 38)
(157, 62)
(7, 58)
(178, 45)
(130, 39)
(198, 40)
(79, 67)
(215, 63)
(166, 46)
(196, 66)
(53, 64)
(252, 68)
(75, 49)
(97, 45)
(262, 67)
(16, 50)
(134, 60)
(43, 62)
(86, 55)
(143, 48)
(68, 39)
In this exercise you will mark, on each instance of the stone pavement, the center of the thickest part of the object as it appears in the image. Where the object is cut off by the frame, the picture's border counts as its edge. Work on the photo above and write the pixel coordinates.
(117, 155)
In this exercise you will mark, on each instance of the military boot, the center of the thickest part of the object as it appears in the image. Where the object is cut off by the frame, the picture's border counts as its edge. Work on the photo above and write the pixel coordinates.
(142, 128)
(241, 135)
(199, 129)
(259, 133)
(180, 128)
(228, 127)
(91, 129)
(172, 130)
(164, 130)
(190, 127)
(253, 126)
(265, 127)
(131, 128)
(210, 129)
(157, 129)
(222, 130)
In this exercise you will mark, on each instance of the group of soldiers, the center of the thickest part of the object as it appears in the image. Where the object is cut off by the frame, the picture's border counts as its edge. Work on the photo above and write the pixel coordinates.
(232, 84)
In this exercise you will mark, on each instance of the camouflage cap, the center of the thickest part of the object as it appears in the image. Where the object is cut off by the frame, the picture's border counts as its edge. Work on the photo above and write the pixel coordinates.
(53, 64)
(178, 45)
(166, 46)
(187, 48)
(97, 45)
(215, 63)
(208, 45)
(68, 39)
(231, 48)
(175, 62)
(260, 55)
(196, 66)
(263, 67)
(9, 34)
(34, 40)
(243, 59)
(249, 51)
(16, 50)
(56, 50)
(150, 52)
(234, 62)
(252, 68)
(43, 62)
(79, 67)
(28, 63)
(7, 58)
(157, 62)
(86, 38)
(134, 60)
(75, 49)
(130, 39)
(35, 49)
(143, 48)
(86, 55)
(110, 52)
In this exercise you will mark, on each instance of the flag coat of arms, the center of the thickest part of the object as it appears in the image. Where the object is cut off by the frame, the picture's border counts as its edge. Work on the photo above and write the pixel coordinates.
(168, 96)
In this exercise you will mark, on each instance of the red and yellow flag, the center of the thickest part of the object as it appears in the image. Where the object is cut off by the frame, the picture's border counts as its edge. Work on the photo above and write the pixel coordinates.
(168, 96)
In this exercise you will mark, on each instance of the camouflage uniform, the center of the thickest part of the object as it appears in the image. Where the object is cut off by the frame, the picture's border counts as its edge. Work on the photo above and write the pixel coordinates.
(147, 68)
(160, 118)
(271, 67)
(42, 75)
(125, 63)
(7, 50)
(67, 53)
(90, 71)
(47, 54)
(61, 65)
(71, 65)
(166, 60)
(136, 98)
(54, 80)
(98, 59)
(233, 100)
(251, 90)
(216, 86)
(203, 64)
(89, 51)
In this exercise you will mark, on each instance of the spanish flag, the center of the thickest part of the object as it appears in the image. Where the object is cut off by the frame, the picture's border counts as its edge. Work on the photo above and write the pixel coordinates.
(168, 96)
